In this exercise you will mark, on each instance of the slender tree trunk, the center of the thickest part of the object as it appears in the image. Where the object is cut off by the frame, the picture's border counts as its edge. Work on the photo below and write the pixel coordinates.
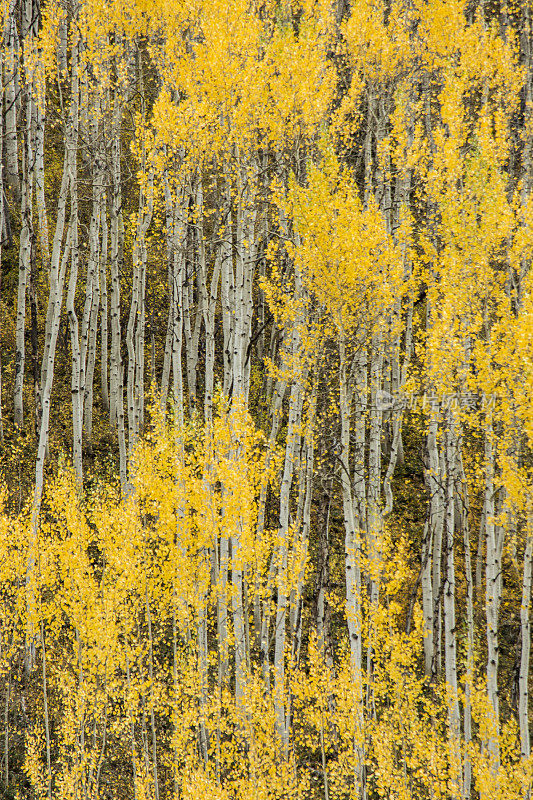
(77, 377)
(323, 613)
(116, 368)
(469, 677)
(11, 82)
(135, 330)
(291, 448)
(427, 597)
(494, 538)
(104, 341)
(262, 611)
(352, 549)
(450, 658)
(436, 522)
(25, 259)
(525, 628)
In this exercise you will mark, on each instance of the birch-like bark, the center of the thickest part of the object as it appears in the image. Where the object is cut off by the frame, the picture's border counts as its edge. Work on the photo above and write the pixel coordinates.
(262, 609)
(291, 448)
(192, 319)
(176, 215)
(25, 258)
(208, 299)
(32, 291)
(203, 662)
(374, 518)
(104, 340)
(436, 522)
(323, 614)
(245, 266)
(135, 333)
(152, 694)
(169, 237)
(352, 550)
(40, 195)
(38, 88)
(360, 489)
(55, 261)
(222, 609)
(397, 412)
(56, 292)
(427, 596)
(303, 525)
(227, 293)
(11, 81)
(237, 327)
(46, 717)
(238, 617)
(525, 631)
(469, 677)
(450, 657)
(116, 399)
(494, 540)
(91, 308)
(76, 378)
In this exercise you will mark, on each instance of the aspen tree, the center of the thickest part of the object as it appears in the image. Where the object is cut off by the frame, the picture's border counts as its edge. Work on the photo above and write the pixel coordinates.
(176, 211)
(449, 600)
(469, 677)
(116, 396)
(91, 308)
(104, 313)
(12, 100)
(76, 380)
(27, 239)
(209, 300)
(291, 448)
(523, 712)
(136, 320)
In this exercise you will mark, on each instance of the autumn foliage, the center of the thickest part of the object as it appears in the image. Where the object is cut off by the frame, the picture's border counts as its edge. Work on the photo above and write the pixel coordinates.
(266, 399)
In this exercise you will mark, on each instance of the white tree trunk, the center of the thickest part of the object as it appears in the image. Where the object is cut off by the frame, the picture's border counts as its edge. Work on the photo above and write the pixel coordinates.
(227, 296)
(104, 343)
(436, 523)
(135, 329)
(25, 256)
(525, 628)
(209, 303)
(238, 619)
(116, 237)
(450, 639)
(291, 448)
(57, 292)
(262, 609)
(39, 178)
(303, 524)
(55, 263)
(11, 82)
(91, 308)
(374, 519)
(494, 540)
(360, 422)
(469, 677)
(76, 378)
(427, 597)
(352, 550)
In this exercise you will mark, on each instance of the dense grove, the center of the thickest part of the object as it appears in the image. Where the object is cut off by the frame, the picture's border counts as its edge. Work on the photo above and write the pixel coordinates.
(266, 384)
